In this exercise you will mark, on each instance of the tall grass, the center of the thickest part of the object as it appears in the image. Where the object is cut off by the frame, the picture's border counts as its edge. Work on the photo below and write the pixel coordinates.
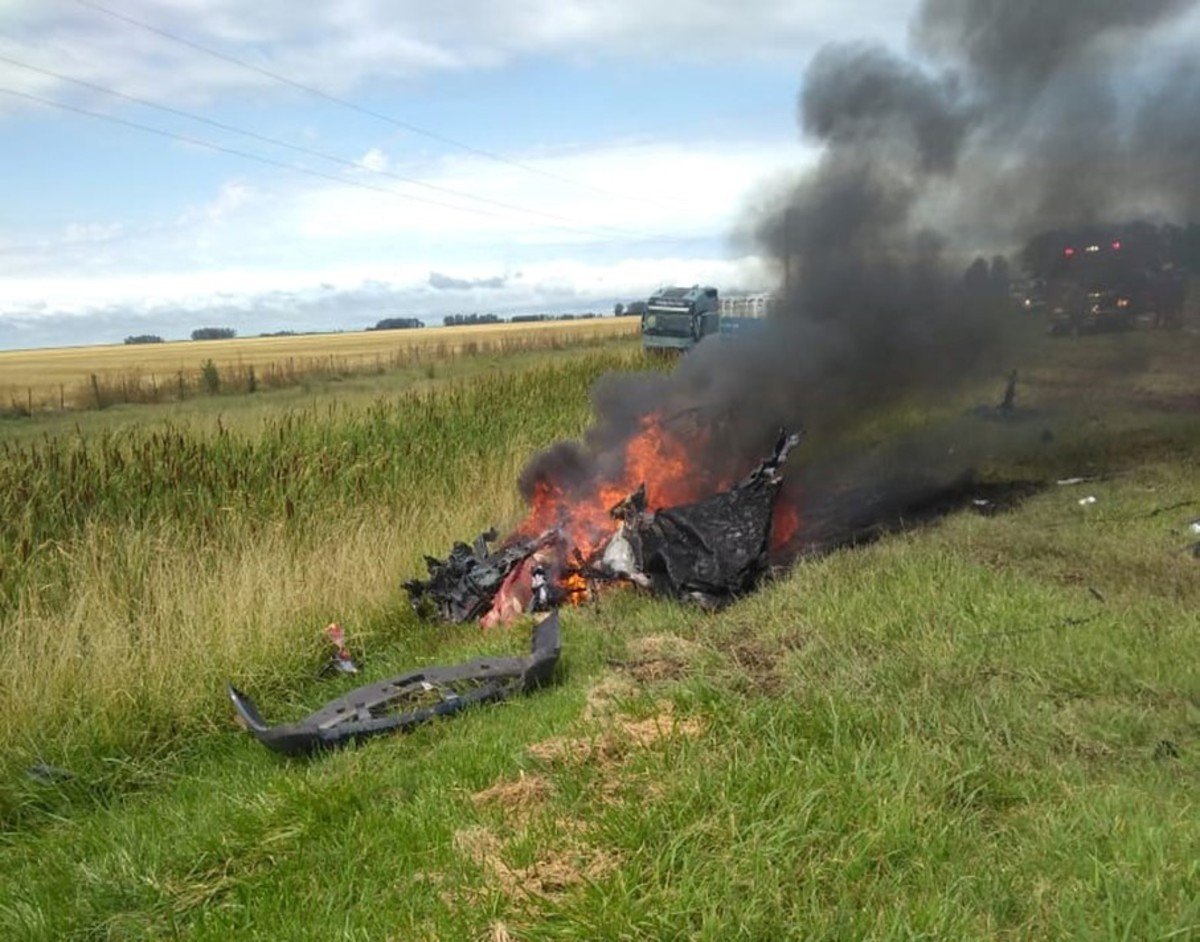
(139, 568)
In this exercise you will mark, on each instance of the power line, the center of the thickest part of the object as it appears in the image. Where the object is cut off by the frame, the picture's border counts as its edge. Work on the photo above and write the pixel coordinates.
(233, 151)
(283, 165)
(368, 112)
(311, 152)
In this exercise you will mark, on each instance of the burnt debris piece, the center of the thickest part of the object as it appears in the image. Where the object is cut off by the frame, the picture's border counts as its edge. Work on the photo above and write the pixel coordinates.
(400, 703)
(1007, 407)
(462, 586)
(710, 551)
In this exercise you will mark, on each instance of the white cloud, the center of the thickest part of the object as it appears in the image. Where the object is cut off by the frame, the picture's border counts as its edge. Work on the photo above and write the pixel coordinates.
(681, 195)
(338, 46)
(231, 197)
(374, 159)
(671, 190)
(76, 233)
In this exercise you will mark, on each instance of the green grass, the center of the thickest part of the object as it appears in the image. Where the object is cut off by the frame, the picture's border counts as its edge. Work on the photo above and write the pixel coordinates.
(946, 734)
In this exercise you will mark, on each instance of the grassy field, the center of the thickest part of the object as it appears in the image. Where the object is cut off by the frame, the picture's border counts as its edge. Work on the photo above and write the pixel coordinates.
(987, 728)
(38, 380)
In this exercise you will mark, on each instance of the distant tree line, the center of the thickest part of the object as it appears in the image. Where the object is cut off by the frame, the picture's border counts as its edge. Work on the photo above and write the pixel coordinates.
(461, 320)
(400, 323)
(397, 323)
(214, 333)
(465, 320)
(530, 318)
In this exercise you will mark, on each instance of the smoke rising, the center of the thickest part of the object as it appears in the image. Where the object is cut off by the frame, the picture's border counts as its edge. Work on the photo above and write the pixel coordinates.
(1007, 119)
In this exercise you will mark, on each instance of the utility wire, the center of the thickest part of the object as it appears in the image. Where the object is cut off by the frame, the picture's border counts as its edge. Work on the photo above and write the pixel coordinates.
(311, 152)
(368, 112)
(283, 165)
(233, 151)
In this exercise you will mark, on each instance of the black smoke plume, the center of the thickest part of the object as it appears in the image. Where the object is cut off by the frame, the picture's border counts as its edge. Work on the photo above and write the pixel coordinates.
(1008, 118)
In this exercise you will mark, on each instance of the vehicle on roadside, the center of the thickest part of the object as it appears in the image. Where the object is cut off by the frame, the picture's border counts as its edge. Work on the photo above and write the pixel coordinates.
(1098, 311)
(1099, 280)
(676, 319)
(746, 314)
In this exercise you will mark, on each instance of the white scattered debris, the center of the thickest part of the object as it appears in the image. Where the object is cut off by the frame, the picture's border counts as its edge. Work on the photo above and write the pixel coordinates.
(618, 559)
(1194, 526)
(1087, 501)
(1065, 482)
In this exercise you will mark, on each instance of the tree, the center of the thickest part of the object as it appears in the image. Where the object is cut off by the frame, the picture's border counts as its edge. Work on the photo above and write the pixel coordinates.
(397, 323)
(214, 333)
(618, 309)
(144, 338)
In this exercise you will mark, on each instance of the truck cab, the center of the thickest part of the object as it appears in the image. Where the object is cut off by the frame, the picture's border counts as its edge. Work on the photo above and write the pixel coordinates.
(676, 319)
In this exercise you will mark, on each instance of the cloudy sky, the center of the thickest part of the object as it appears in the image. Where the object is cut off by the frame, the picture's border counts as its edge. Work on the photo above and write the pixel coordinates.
(169, 164)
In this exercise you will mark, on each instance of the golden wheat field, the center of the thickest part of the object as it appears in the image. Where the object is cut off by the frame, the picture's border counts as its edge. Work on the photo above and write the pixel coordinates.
(66, 377)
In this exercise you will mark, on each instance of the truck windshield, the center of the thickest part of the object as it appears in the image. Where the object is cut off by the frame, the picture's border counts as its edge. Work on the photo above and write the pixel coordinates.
(670, 320)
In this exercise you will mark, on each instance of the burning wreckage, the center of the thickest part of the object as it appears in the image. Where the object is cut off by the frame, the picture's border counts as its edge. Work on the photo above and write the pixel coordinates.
(710, 551)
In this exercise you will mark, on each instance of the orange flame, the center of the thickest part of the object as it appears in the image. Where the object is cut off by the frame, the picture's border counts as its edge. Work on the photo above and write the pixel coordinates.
(575, 586)
(658, 457)
(785, 522)
(655, 456)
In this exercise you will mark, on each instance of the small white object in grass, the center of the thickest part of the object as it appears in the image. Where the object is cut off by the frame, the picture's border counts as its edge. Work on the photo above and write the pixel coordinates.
(980, 502)
(1066, 481)
(1086, 501)
(1194, 526)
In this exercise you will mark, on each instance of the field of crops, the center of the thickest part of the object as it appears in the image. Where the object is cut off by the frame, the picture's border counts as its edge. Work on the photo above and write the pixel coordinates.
(84, 377)
(986, 728)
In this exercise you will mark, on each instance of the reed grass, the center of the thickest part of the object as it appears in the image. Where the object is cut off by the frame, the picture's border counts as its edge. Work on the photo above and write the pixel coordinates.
(140, 567)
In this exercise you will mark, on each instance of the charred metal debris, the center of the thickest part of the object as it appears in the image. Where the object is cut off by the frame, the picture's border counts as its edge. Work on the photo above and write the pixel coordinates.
(407, 700)
(461, 586)
(710, 551)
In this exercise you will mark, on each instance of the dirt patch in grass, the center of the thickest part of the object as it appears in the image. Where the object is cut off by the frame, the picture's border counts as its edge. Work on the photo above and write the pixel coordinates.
(606, 696)
(758, 662)
(623, 736)
(553, 874)
(656, 658)
(759, 665)
(518, 797)
(573, 860)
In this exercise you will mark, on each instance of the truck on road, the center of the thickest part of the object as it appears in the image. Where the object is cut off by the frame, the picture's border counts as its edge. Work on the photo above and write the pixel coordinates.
(676, 319)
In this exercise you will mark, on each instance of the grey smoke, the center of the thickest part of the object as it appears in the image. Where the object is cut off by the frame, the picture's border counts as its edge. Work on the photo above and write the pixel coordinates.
(859, 95)
(1009, 117)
